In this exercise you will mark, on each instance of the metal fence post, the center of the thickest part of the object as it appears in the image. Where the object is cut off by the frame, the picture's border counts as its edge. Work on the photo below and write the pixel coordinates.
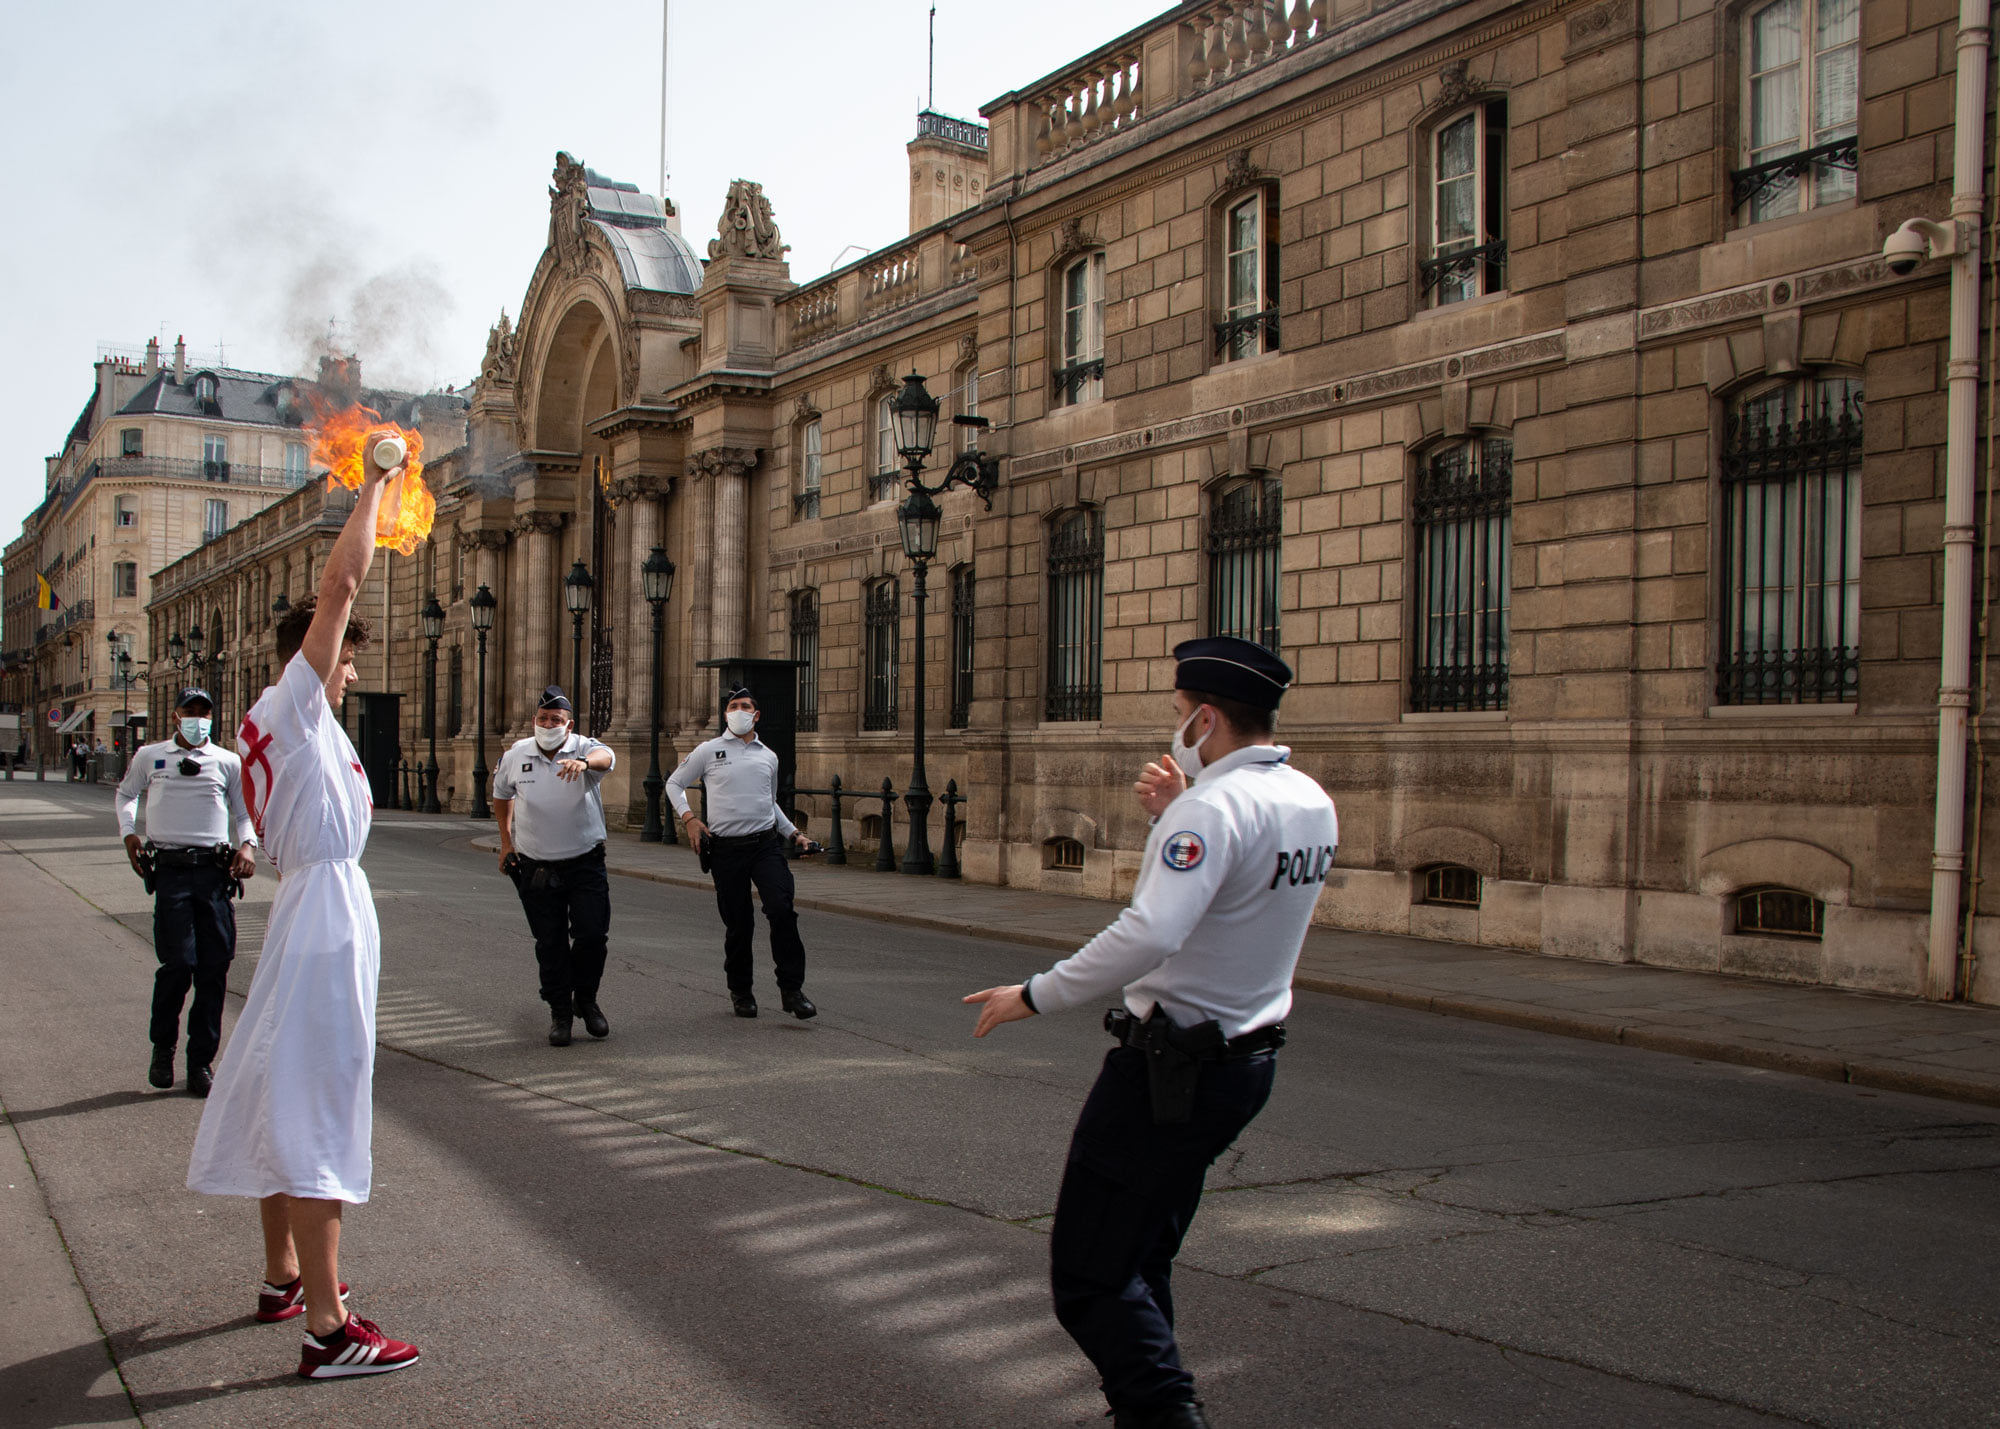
(885, 854)
(836, 844)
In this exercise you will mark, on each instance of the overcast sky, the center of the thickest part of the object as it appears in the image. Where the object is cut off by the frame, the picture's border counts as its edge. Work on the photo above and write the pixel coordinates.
(244, 173)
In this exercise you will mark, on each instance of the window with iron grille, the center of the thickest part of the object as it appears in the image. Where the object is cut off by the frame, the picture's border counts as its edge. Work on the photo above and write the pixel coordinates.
(805, 650)
(454, 719)
(1800, 99)
(1468, 245)
(1249, 323)
(961, 646)
(1780, 912)
(1452, 885)
(881, 655)
(215, 458)
(1079, 374)
(1791, 546)
(1065, 855)
(1245, 521)
(882, 484)
(806, 504)
(1076, 618)
(1462, 527)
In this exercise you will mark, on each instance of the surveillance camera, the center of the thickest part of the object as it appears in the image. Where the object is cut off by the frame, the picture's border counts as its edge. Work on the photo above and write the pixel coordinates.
(1916, 240)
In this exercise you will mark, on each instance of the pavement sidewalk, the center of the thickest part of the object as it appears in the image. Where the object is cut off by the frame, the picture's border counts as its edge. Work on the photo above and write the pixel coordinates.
(1897, 1044)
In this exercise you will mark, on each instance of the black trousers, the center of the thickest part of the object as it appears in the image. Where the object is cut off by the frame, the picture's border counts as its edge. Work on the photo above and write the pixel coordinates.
(736, 864)
(1129, 1193)
(194, 937)
(570, 916)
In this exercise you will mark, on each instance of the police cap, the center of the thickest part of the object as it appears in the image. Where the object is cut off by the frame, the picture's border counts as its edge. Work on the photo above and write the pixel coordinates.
(554, 699)
(194, 696)
(1232, 669)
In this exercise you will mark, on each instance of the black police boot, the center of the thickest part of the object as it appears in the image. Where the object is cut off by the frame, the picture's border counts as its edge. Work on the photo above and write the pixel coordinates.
(559, 1028)
(1185, 1415)
(199, 1081)
(161, 1073)
(797, 1003)
(593, 1019)
(744, 1004)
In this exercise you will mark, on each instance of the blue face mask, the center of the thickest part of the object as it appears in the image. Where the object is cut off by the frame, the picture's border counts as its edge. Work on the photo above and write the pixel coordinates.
(195, 728)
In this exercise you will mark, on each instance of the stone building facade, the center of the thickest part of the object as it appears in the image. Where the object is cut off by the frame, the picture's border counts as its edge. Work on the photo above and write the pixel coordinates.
(1525, 373)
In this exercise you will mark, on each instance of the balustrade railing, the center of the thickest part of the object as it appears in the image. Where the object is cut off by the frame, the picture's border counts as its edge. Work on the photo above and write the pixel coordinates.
(883, 282)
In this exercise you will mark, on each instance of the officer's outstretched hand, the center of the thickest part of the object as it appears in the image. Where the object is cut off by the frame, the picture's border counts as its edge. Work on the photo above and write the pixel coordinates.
(571, 770)
(1160, 783)
(1001, 1004)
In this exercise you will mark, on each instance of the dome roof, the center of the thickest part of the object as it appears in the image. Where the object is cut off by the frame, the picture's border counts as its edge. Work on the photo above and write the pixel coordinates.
(651, 255)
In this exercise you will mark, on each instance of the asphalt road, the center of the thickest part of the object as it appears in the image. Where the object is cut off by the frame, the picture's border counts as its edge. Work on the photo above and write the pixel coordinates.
(711, 1221)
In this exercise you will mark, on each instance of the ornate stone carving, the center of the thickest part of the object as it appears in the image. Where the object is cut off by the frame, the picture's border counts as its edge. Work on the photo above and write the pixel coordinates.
(569, 215)
(881, 380)
(723, 461)
(968, 348)
(1455, 86)
(1071, 237)
(632, 486)
(803, 410)
(629, 376)
(1602, 25)
(746, 229)
(484, 538)
(1239, 172)
(543, 523)
(498, 364)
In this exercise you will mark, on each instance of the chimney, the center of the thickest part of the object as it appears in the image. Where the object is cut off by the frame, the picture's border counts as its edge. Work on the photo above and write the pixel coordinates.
(152, 355)
(180, 361)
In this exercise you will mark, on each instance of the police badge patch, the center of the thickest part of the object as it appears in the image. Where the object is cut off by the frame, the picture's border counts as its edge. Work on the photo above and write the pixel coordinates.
(1183, 851)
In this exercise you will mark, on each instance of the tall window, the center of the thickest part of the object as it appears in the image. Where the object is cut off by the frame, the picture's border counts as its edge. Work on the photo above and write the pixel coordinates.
(1462, 522)
(1244, 529)
(805, 650)
(961, 646)
(297, 464)
(968, 404)
(124, 580)
(132, 441)
(1801, 69)
(1250, 280)
(1468, 245)
(805, 505)
(215, 519)
(1080, 377)
(215, 458)
(882, 484)
(127, 508)
(206, 393)
(454, 703)
(881, 658)
(1076, 618)
(1791, 546)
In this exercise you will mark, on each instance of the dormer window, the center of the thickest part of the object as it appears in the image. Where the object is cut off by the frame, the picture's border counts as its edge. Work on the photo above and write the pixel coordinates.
(206, 391)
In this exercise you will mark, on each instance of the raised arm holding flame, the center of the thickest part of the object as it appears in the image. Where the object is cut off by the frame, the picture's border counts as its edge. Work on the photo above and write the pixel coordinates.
(408, 508)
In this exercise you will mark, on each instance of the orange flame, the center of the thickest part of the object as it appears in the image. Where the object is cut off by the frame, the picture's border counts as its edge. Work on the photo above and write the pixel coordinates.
(408, 508)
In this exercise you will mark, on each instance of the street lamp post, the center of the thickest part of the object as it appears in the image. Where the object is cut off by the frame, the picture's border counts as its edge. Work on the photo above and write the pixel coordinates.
(576, 595)
(657, 576)
(432, 616)
(481, 605)
(915, 413)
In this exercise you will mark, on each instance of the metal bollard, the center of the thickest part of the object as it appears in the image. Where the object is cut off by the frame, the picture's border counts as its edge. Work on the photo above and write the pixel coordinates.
(836, 844)
(885, 855)
(947, 860)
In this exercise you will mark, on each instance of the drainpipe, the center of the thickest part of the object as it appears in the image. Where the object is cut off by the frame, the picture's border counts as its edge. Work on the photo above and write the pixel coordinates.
(1968, 209)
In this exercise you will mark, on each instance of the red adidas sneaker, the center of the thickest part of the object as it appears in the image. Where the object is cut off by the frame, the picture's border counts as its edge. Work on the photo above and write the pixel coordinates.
(362, 1349)
(282, 1302)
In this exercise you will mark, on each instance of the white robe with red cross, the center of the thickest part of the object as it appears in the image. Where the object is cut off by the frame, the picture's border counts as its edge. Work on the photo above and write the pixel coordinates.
(290, 1111)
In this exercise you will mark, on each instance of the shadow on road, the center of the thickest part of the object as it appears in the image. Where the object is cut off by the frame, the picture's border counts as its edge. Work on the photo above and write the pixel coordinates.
(104, 1101)
(51, 1391)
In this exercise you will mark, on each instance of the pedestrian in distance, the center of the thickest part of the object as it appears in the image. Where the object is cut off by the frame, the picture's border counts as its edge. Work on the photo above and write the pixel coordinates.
(1204, 956)
(291, 1117)
(79, 760)
(743, 843)
(548, 804)
(197, 852)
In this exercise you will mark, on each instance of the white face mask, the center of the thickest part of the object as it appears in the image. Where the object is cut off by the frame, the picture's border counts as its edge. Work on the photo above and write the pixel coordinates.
(550, 740)
(741, 722)
(1188, 756)
(194, 728)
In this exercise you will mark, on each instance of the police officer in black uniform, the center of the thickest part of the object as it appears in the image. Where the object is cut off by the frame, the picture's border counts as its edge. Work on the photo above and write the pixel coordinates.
(744, 840)
(194, 795)
(1204, 956)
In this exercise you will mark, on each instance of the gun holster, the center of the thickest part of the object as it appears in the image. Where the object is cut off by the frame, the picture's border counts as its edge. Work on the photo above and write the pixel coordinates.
(146, 867)
(1173, 1058)
(705, 850)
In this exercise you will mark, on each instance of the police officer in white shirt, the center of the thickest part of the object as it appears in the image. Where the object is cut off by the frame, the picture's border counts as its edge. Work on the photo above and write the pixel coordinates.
(194, 797)
(547, 801)
(746, 833)
(1204, 956)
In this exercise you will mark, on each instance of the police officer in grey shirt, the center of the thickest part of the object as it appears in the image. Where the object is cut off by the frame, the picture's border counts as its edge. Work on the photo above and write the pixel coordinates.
(547, 803)
(746, 833)
(198, 845)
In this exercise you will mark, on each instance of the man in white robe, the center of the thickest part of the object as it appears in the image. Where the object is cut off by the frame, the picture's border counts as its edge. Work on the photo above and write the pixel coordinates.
(290, 1116)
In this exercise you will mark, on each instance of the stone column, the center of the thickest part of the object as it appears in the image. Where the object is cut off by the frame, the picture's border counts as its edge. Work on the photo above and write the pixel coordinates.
(534, 612)
(638, 498)
(727, 470)
(486, 546)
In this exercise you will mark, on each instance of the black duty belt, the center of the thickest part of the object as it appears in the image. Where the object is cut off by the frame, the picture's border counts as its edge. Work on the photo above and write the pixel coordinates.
(742, 840)
(209, 856)
(1174, 1055)
(559, 864)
